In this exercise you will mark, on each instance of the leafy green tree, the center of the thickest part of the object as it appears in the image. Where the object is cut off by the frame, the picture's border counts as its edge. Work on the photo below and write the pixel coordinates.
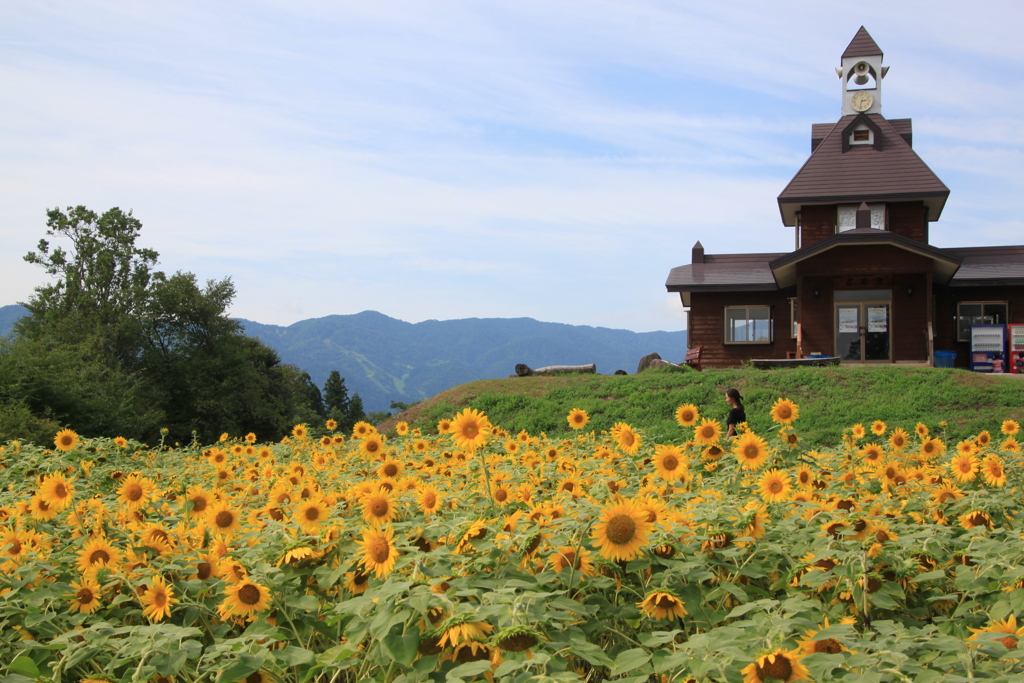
(355, 412)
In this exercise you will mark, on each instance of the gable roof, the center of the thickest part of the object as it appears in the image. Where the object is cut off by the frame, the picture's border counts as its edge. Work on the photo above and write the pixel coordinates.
(862, 173)
(945, 264)
(862, 45)
(988, 266)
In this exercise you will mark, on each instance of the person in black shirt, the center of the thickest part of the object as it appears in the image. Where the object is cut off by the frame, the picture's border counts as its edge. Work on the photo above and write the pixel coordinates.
(737, 414)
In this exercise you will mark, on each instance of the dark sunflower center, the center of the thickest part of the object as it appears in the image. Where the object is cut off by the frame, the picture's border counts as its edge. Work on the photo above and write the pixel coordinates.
(133, 492)
(98, 556)
(199, 504)
(501, 495)
(707, 432)
(312, 514)
(429, 500)
(621, 529)
(775, 486)
(276, 514)
(390, 470)
(779, 668)
(670, 462)
(379, 550)
(203, 571)
(66, 441)
(372, 446)
(249, 594)
(224, 519)
(379, 507)
(784, 412)
(60, 491)
(665, 602)
(159, 598)
(15, 548)
(751, 452)
(85, 596)
(828, 645)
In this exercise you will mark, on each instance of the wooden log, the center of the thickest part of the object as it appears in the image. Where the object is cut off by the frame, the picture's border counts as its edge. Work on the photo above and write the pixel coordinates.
(523, 370)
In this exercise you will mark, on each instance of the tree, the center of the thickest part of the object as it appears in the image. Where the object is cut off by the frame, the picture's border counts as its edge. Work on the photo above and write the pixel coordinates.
(115, 346)
(336, 393)
(355, 412)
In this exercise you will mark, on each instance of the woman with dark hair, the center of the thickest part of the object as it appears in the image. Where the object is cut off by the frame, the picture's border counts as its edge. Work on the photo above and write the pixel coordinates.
(737, 414)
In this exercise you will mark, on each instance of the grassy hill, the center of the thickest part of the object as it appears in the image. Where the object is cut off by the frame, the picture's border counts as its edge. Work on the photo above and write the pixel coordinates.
(830, 400)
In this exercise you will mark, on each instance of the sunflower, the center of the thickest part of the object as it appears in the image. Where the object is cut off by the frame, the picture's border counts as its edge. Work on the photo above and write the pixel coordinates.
(331, 425)
(246, 599)
(378, 550)
(198, 500)
(136, 491)
(751, 451)
(121, 442)
(708, 432)
(921, 429)
(378, 508)
(156, 599)
(975, 518)
(222, 519)
(56, 490)
(85, 596)
(470, 429)
(878, 428)
(872, 453)
(311, 514)
(774, 486)
(300, 432)
(1010, 445)
(628, 440)
(1009, 427)
(781, 665)
(363, 428)
(65, 440)
(402, 428)
(1007, 626)
(390, 469)
(983, 439)
(805, 478)
(98, 552)
(40, 509)
(670, 462)
(898, 439)
(946, 492)
(459, 630)
(622, 531)
(785, 411)
(577, 418)
(857, 431)
(566, 557)
(660, 605)
(992, 468)
(14, 545)
(356, 582)
(429, 499)
(931, 447)
(810, 645)
(965, 467)
(371, 445)
(687, 415)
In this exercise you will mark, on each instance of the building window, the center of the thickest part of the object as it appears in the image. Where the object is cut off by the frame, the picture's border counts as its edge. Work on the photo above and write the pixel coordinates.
(978, 313)
(862, 136)
(846, 218)
(748, 325)
(792, 317)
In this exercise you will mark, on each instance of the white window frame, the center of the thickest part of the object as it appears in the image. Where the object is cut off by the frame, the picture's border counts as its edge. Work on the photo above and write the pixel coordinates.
(959, 316)
(725, 324)
(792, 317)
(877, 210)
(861, 128)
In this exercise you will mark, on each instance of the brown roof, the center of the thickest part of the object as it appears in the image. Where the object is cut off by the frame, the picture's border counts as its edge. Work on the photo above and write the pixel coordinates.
(724, 272)
(862, 45)
(988, 266)
(886, 171)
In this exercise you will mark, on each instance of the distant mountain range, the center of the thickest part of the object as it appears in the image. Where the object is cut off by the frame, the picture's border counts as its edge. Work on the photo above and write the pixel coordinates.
(384, 359)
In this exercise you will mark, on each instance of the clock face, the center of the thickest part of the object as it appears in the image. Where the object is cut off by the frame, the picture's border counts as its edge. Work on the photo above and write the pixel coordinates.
(861, 101)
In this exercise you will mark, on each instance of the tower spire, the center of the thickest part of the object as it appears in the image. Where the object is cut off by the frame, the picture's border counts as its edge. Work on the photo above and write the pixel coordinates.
(861, 75)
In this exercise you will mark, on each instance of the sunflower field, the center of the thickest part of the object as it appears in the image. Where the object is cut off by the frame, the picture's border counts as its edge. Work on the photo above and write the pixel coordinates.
(473, 553)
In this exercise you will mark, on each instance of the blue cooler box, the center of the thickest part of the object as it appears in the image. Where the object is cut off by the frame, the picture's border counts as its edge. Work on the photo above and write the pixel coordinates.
(944, 359)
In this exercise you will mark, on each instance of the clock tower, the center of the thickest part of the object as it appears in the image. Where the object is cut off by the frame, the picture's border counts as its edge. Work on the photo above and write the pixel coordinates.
(861, 76)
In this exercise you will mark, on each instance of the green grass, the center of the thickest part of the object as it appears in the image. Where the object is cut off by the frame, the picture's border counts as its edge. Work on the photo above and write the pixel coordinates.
(830, 400)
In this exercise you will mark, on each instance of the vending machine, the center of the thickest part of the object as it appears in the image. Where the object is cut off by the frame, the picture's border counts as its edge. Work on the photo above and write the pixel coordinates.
(1015, 348)
(986, 342)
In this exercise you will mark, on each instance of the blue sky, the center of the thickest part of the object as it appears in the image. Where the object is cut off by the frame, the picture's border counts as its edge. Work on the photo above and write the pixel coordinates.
(477, 159)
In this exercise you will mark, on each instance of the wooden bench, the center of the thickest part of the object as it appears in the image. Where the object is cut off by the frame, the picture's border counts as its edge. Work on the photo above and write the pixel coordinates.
(693, 357)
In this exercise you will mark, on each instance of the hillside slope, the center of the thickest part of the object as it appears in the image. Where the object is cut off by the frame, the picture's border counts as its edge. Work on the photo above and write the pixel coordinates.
(830, 399)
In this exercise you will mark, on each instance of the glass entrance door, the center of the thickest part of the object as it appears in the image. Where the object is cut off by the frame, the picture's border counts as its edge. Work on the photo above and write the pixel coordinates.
(862, 330)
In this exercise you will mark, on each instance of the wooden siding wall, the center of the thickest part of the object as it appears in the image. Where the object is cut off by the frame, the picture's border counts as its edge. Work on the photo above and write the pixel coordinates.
(909, 219)
(707, 326)
(816, 223)
(909, 312)
(946, 299)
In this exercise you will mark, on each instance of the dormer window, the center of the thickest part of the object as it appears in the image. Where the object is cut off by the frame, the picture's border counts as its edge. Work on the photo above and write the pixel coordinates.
(846, 217)
(862, 136)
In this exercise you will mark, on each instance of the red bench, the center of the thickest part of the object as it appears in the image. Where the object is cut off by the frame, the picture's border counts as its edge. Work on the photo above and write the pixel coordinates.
(693, 357)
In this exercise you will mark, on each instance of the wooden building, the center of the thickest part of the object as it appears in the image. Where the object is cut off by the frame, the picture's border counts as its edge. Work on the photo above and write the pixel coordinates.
(863, 282)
